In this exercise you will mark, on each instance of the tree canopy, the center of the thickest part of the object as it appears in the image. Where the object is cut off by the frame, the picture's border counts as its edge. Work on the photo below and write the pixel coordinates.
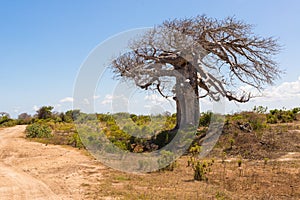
(192, 58)
(44, 112)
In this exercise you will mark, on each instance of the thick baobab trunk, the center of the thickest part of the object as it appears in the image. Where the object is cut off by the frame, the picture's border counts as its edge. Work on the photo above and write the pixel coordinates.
(187, 111)
(187, 103)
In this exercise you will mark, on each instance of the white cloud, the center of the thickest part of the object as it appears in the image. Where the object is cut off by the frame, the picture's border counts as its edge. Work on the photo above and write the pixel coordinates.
(155, 103)
(285, 91)
(286, 94)
(16, 109)
(35, 108)
(155, 99)
(107, 99)
(67, 100)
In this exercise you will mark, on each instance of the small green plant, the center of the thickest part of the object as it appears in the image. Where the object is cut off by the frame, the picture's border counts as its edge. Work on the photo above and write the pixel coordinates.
(221, 196)
(37, 130)
(122, 178)
(195, 149)
(239, 162)
(231, 141)
(201, 168)
(266, 160)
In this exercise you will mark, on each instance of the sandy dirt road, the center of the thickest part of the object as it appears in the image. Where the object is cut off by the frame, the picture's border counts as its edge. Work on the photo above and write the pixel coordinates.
(31, 170)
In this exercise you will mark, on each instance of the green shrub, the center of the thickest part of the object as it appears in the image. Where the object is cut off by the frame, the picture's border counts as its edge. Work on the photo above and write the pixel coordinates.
(257, 121)
(4, 119)
(201, 169)
(205, 119)
(271, 119)
(37, 130)
(195, 150)
(282, 115)
(121, 144)
(75, 141)
(133, 117)
(9, 123)
(260, 109)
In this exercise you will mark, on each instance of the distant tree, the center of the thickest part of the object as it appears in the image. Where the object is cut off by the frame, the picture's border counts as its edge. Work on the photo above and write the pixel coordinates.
(4, 117)
(3, 114)
(172, 59)
(72, 115)
(56, 116)
(260, 109)
(45, 112)
(24, 118)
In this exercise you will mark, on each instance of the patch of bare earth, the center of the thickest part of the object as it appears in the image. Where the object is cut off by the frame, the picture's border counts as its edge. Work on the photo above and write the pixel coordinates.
(31, 170)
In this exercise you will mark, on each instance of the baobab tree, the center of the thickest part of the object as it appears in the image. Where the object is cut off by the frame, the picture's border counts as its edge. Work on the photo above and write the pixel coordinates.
(193, 58)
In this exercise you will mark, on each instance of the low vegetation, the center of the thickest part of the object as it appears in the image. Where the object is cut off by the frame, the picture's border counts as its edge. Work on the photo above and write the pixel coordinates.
(37, 130)
(246, 135)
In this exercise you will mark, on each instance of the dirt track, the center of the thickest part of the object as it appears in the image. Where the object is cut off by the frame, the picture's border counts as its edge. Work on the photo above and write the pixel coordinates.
(30, 170)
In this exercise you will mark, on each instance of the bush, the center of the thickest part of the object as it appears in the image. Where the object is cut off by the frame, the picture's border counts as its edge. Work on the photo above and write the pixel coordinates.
(282, 115)
(271, 119)
(260, 109)
(6, 121)
(205, 119)
(38, 131)
(9, 123)
(75, 141)
(201, 169)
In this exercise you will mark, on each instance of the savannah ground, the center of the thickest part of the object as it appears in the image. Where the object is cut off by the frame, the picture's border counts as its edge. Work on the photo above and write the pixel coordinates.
(32, 170)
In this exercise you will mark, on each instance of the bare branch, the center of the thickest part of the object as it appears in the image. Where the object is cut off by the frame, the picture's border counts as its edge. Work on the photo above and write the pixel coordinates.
(242, 57)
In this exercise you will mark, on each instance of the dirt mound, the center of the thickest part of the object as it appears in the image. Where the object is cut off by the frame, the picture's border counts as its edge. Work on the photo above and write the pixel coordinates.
(272, 141)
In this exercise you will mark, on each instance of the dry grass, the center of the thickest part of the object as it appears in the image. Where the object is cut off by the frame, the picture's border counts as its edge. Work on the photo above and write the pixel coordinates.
(254, 180)
(267, 172)
(277, 177)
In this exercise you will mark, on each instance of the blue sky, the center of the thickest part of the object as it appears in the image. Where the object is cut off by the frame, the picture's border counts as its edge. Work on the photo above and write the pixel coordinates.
(44, 43)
